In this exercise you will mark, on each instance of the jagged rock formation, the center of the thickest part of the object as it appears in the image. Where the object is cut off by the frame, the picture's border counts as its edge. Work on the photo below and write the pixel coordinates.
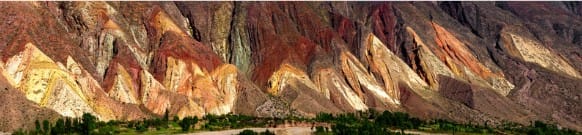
(479, 62)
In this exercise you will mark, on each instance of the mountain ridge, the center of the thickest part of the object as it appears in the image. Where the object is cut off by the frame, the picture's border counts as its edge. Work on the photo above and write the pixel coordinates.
(480, 62)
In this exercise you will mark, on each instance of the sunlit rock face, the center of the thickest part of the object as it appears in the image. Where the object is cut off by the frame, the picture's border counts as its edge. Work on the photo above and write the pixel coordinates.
(153, 96)
(289, 75)
(464, 64)
(158, 99)
(391, 68)
(177, 76)
(225, 78)
(532, 51)
(363, 83)
(430, 66)
(464, 61)
(123, 89)
(215, 92)
(336, 89)
(47, 83)
(295, 86)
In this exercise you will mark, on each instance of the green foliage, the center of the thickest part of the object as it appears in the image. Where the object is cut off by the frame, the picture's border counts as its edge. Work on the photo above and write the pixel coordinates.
(88, 123)
(166, 116)
(248, 132)
(319, 129)
(399, 120)
(448, 126)
(360, 127)
(229, 121)
(541, 128)
(187, 122)
(19, 132)
(251, 132)
(323, 117)
(76, 125)
(361, 123)
(37, 126)
(59, 127)
(176, 119)
(46, 126)
(267, 132)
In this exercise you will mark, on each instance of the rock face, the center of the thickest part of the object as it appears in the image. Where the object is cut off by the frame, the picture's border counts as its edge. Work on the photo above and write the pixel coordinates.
(480, 62)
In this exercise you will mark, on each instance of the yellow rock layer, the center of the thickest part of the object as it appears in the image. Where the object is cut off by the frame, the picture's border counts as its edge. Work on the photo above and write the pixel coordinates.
(157, 99)
(535, 52)
(327, 79)
(361, 81)
(463, 63)
(225, 78)
(177, 76)
(152, 97)
(391, 68)
(429, 62)
(167, 24)
(47, 83)
(91, 89)
(122, 89)
(289, 75)
(215, 92)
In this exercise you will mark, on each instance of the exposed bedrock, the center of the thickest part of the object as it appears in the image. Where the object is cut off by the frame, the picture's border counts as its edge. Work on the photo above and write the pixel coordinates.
(479, 62)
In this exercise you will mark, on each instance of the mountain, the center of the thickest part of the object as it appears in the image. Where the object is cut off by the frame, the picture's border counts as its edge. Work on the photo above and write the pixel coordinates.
(471, 62)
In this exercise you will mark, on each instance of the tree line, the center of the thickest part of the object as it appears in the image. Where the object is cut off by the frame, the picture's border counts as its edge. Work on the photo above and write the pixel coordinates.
(362, 123)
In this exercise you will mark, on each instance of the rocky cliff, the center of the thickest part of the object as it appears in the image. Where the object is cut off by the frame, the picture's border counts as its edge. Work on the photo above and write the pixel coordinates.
(479, 62)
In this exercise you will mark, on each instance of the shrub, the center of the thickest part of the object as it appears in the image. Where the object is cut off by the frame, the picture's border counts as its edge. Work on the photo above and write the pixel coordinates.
(187, 122)
(248, 132)
(88, 124)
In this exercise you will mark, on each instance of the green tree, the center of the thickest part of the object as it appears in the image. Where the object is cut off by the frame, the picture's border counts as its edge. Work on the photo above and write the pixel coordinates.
(403, 121)
(187, 122)
(76, 126)
(46, 126)
(59, 127)
(166, 116)
(38, 128)
(68, 125)
(176, 118)
(267, 132)
(319, 129)
(88, 124)
(141, 126)
(323, 117)
(248, 132)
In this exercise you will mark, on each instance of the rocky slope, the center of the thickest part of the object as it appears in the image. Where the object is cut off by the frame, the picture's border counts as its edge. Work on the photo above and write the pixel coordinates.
(479, 62)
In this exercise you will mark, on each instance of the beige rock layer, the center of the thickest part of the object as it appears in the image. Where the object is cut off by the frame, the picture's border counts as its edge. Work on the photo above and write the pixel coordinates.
(289, 75)
(533, 51)
(464, 64)
(391, 68)
(122, 89)
(152, 97)
(328, 80)
(429, 62)
(361, 81)
(46, 83)
(215, 92)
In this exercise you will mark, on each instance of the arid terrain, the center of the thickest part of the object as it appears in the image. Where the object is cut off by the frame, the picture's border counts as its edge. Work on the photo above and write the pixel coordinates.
(484, 63)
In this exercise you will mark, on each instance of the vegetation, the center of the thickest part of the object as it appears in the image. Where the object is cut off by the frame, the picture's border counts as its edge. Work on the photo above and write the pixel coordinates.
(251, 132)
(363, 123)
(187, 122)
